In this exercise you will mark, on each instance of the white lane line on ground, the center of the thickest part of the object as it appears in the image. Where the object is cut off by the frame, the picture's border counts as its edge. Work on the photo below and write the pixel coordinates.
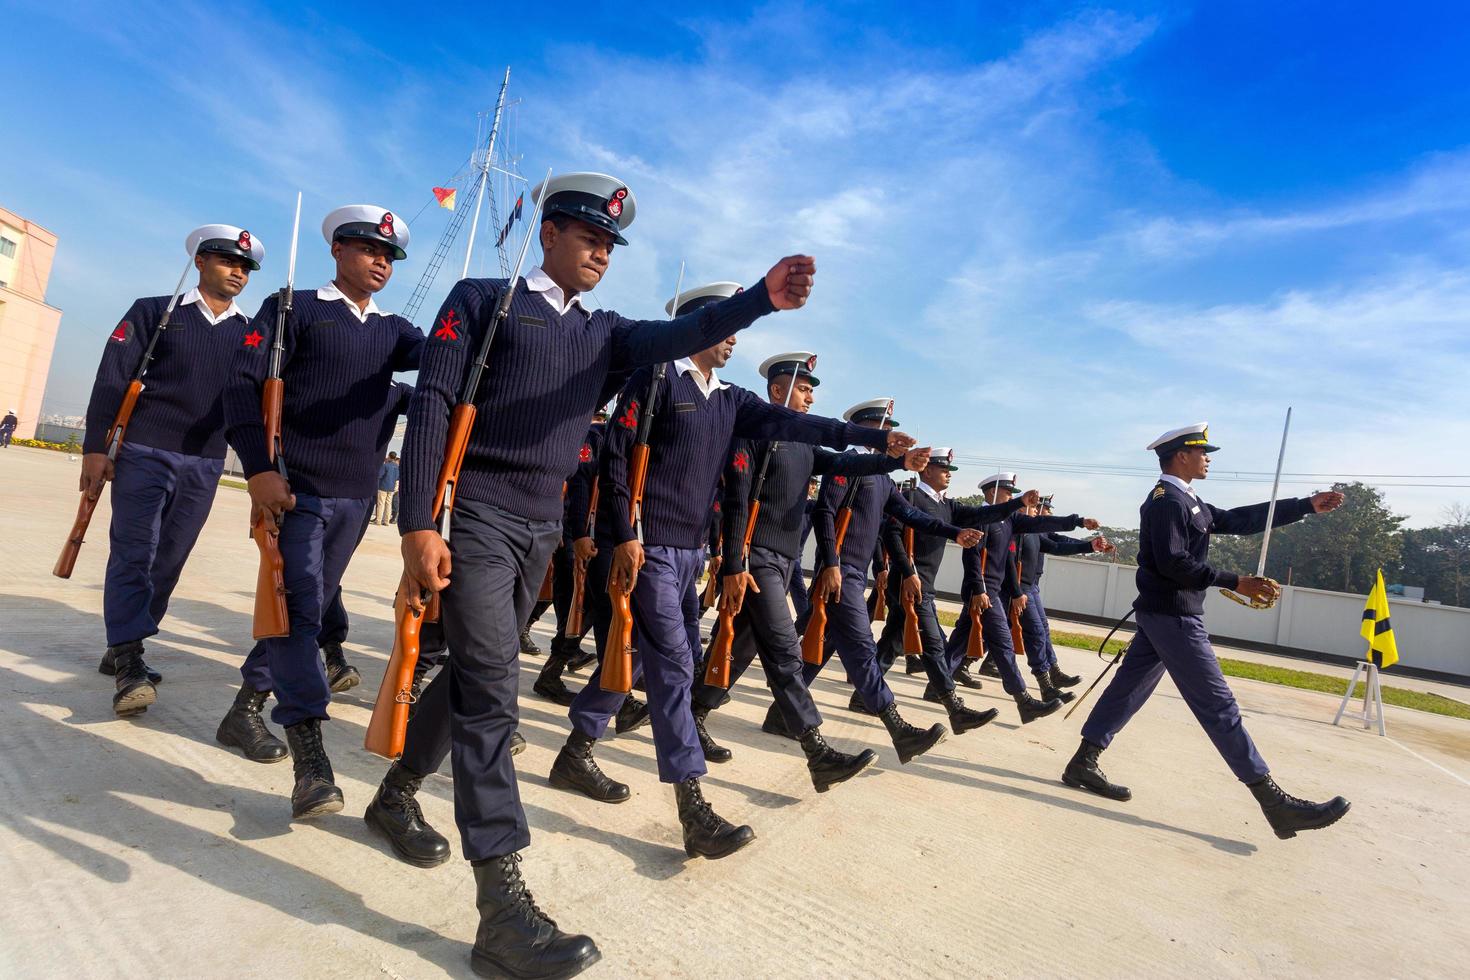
(1447, 772)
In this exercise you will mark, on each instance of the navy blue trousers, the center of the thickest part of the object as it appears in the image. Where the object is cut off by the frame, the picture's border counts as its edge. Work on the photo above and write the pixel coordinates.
(1181, 646)
(1036, 633)
(800, 600)
(160, 500)
(318, 538)
(470, 709)
(764, 628)
(935, 656)
(997, 631)
(665, 637)
(334, 618)
(850, 636)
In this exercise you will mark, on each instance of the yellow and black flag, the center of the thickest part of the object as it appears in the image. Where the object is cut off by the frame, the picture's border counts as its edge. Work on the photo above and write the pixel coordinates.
(1377, 630)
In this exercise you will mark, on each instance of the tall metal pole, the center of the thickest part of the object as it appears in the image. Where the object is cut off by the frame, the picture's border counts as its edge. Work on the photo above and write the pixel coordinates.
(1271, 507)
(485, 174)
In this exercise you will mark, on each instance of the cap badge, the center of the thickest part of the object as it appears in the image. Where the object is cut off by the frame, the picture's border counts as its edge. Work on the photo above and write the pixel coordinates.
(244, 241)
(614, 204)
(811, 363)
(385, 227)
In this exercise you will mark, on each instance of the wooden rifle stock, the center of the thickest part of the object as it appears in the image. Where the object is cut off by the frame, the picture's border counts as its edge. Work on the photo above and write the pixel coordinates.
(880, 597)
(271, 617)
(548, 585)
(711, 592)
(389, 723)
(617, 655)
(816, 626)
(74, 538)
(717, 664)
(975, 646)
(913, 644)
(579, 574)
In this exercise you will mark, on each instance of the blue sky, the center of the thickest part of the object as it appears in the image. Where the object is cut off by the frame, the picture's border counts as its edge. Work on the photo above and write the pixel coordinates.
(1051, 231)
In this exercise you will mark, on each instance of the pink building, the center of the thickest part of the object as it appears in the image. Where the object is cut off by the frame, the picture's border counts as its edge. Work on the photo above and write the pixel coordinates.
(27, 325)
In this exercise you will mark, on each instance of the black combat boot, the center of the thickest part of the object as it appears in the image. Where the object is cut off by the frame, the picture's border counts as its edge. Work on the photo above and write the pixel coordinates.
(988, 667)
(1049, 692)
(578, 658)
(713, 751)
(245, 729)
(933, 694)
(549, 683)
(964, 678)
(395, 813)
(135, 691)
(528, 644)
(1082, 773)
(963, 719)
(315, 792)
(1287, 814)
(912, 664)
(631, 716)
(575, 769)
(1032, 709)
(910, 742)
(109, 667)
(829, 766)
(517, 744)
(706, 833)
(517, 939)
(857, 705)
(341, 676)
(775, 723)
(1060, 680)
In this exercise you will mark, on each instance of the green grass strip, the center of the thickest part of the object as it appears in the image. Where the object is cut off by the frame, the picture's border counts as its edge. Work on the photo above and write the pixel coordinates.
(1285, 676)
(233, 484)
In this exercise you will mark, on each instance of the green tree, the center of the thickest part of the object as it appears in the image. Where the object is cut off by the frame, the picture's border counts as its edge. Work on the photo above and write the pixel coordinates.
(1438, 558)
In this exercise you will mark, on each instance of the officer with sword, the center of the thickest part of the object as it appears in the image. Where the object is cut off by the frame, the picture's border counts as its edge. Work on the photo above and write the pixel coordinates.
(1173, 574)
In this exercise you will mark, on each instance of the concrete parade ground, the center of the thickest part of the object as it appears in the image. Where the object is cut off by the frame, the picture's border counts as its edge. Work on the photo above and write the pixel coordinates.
(142, 848)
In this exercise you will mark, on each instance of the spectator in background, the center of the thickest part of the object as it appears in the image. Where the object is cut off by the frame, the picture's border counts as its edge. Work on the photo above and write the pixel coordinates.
(7, 428)
(387, 489)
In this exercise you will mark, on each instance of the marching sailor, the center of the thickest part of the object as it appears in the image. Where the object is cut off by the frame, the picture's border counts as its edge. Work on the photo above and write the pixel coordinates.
(696, 418)
(168, 467)
(1173, 574)
(340, 408)
(552, 363)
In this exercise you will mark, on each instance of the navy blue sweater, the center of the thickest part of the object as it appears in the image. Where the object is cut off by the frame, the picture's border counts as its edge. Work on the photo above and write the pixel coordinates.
(1174, 542)
(876, 496)
(180, 409)
(689, 445)
(783, 520)
(547, 372)
(929, 548)
(576, 512)
(340, 404)
(1000, 573)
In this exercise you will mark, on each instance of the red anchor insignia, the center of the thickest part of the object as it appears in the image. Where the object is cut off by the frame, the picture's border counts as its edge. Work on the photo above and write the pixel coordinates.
(253, 338)
(447, 326)
(629, 418)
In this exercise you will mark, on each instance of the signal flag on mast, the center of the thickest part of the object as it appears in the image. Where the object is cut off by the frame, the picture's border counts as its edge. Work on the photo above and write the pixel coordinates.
(445, 197)
(515, 213)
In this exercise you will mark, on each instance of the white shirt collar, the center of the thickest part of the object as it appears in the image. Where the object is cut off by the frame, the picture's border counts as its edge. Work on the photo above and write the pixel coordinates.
(685, 365)
(196, 297)
(1171, 478)
(330, 292)
(537, 281)
(934, 495)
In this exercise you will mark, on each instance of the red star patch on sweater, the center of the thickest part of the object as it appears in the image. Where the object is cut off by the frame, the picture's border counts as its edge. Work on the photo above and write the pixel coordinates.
(449, 325)
(123, 333)
(741, 462)
(586, 454)
(841, 481)
(629, 418)
(253, 338)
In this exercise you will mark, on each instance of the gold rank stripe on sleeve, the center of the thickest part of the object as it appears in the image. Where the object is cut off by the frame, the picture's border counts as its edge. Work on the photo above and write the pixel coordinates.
(1158, 490)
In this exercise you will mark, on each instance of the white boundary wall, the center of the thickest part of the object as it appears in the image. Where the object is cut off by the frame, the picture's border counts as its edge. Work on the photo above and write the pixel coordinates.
(1429, 637)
